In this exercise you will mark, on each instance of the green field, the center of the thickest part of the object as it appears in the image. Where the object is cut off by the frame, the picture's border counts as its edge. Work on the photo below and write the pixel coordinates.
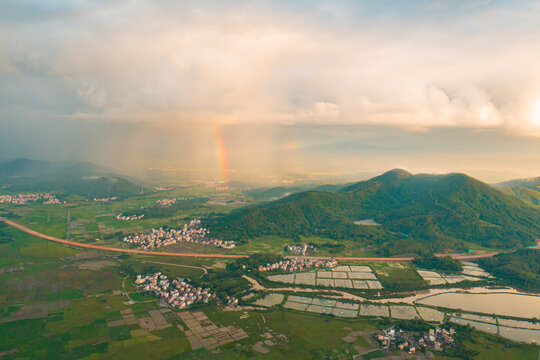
(398, 276)
(56, 308)
(58, 302)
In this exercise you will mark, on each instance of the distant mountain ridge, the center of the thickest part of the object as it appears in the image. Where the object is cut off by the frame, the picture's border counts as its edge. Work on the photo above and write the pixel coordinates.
(527, 190)
(274, 193)
(434, 212)
(65, 177)
(529, 183)
(28, 168)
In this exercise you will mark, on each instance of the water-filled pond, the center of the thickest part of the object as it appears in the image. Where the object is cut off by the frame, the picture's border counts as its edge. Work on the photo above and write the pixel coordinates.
(508, 304)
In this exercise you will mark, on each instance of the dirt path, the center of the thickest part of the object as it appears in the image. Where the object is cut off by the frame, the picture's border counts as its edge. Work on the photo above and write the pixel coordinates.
(180, 265)
(342, 294)
(129, 297)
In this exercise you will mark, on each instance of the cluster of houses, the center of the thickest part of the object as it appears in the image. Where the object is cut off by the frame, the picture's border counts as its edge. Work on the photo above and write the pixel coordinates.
(169, 202)
(297, 264)
(21, 199)
(128, 217)
(177, 293)
(192, 232)
(51, 200)
(434, 339)
(162, 188)
(106, 199)
(305, 249)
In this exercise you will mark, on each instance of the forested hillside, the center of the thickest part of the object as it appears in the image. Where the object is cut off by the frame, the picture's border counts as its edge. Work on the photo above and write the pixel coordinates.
(433, 212)
(65, 178)
(520, 268)
(527, 190)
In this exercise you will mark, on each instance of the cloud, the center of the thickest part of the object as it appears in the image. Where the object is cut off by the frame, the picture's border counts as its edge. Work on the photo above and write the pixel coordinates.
(269, 62)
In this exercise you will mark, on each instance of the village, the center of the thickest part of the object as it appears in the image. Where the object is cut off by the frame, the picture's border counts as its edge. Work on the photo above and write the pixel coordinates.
(177, 293)
(128, 217)
(298, 264)
(22, 199)
(305, 249)
(191, 233)
(106, 199)
(435, 339)
(169, 202)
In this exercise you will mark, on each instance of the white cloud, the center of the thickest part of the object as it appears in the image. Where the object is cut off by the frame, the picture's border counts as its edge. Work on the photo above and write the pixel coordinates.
(264, 62)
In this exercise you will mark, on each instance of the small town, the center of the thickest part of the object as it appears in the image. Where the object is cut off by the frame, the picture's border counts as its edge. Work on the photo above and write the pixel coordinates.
(305, 249)
(128, 217)
(177, 293)
(169, 202)
(435, 339)
(191, 233)
(22, 199)
(298, 264)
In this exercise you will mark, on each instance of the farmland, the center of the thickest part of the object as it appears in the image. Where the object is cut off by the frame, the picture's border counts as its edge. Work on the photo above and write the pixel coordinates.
(80, 303)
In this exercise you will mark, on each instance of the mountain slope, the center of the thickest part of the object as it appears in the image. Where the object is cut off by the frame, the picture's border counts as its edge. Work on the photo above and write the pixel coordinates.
(529, 196)
(65, 178)
(437, 211)
(527, 190)
(530, 183)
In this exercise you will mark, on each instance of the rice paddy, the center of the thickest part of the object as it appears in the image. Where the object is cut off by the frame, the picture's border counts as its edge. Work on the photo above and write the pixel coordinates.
(404, 312)
(344, 276)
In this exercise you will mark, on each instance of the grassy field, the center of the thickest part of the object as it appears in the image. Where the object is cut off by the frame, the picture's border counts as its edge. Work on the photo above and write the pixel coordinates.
(398, 276)
(276, 245)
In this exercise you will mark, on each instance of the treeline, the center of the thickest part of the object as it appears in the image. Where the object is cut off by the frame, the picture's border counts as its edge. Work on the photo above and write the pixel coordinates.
(223, 283)
(520, 269)
(330, 247)
(443, 264)
(253, 262)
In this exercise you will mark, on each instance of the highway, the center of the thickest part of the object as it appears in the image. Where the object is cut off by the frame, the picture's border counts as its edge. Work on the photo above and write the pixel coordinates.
(231, 256)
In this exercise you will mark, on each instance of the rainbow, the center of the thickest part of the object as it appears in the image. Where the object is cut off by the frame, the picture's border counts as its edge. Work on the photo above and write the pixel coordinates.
(291, 145)
(221, 153)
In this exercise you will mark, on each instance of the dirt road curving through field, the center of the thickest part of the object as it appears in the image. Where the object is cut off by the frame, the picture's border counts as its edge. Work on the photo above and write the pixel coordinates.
(106, 248)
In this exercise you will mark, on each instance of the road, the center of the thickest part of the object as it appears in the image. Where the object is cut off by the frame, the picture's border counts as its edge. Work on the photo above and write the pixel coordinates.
(230, 256)
(106, 248)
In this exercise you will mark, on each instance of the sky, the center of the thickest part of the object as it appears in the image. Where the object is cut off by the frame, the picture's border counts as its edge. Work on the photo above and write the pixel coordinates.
(274, 87)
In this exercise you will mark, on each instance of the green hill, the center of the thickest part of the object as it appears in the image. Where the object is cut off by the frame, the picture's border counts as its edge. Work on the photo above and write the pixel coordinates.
(433, 212)
(65, 178)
